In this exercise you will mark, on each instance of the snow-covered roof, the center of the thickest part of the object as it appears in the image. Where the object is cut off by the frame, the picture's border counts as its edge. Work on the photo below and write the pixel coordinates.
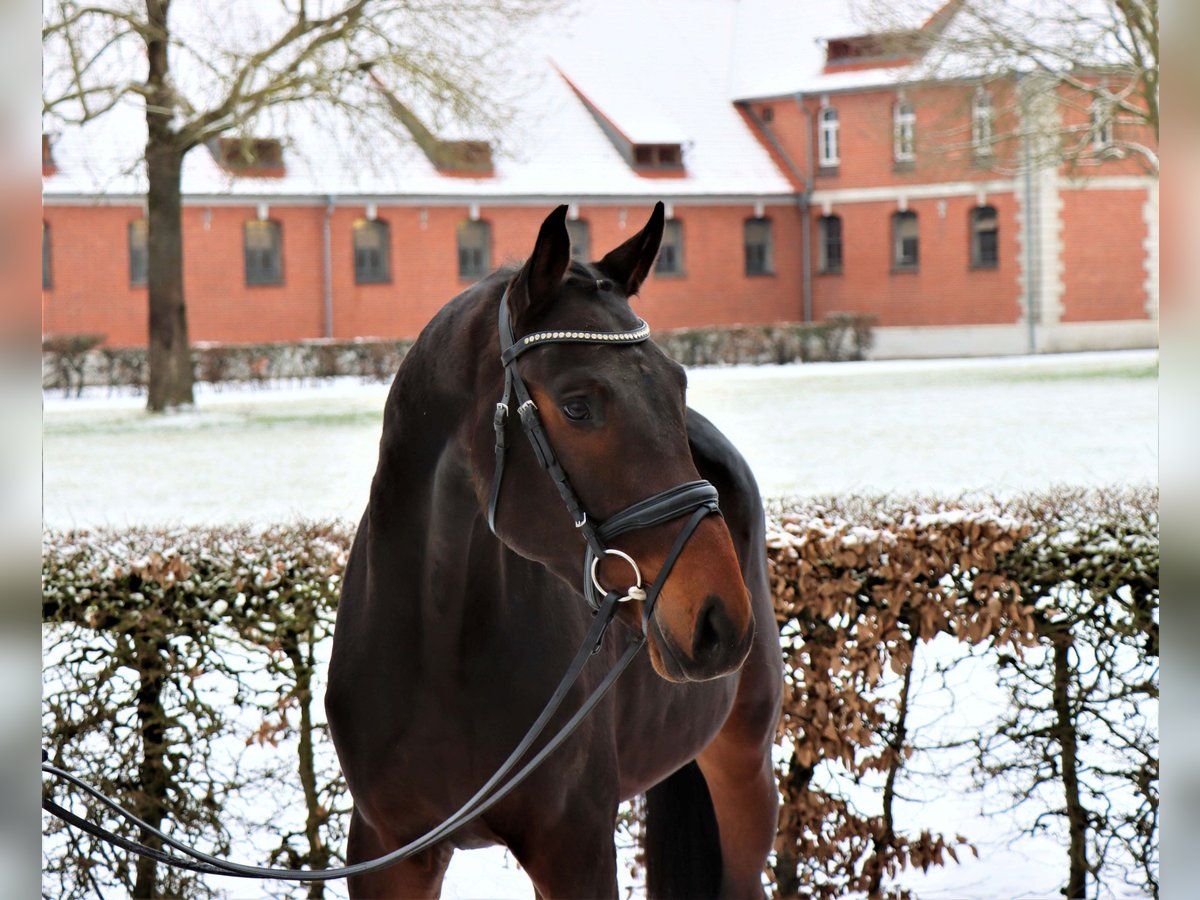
(662, 71)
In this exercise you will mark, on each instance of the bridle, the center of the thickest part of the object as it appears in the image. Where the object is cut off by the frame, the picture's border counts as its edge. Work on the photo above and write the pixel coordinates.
(696, 497)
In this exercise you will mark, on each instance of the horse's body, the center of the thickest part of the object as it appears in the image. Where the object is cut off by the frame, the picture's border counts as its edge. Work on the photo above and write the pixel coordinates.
(450, 639)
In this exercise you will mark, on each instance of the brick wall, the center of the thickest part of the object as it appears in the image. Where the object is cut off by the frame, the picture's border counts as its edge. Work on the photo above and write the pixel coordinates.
(1103, 257)
(944, 289)
(91, 290)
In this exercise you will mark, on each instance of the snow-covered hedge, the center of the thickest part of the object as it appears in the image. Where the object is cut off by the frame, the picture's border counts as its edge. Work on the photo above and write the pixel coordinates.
(177, 661)
(70, 362)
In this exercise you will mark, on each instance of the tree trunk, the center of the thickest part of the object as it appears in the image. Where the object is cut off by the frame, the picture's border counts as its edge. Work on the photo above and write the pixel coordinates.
(318, 854)
(1069, 742)
(787, 861)
(170, 356)
(885, 843)
(153, 779)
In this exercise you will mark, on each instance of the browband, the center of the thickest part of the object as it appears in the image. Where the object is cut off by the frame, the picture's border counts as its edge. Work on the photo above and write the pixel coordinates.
(634, 336)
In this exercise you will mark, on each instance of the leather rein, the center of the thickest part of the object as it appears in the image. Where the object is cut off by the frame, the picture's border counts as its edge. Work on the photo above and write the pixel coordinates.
(697, 498)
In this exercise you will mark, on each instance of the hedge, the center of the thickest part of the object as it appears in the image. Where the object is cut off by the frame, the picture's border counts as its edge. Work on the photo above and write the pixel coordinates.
(71, 362)
(168, 650)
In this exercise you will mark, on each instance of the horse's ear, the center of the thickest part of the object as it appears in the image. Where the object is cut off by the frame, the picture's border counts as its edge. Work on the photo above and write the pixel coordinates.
(540, 277)
(629, 264)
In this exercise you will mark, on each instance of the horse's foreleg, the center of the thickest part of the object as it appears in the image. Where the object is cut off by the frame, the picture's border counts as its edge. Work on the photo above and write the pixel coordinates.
(572, 855)
(741, 783)
(419, 876)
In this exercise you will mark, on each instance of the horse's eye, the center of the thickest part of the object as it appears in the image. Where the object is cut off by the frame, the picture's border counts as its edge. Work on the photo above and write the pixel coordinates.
(577, 410)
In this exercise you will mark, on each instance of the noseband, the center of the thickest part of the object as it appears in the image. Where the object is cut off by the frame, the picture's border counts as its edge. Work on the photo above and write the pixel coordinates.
(696, 497)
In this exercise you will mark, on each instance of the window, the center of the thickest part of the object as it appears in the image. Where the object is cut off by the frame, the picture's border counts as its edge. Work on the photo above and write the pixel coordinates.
(1101, 129)
(657, 156)
(581, 243)
(904, 240)
(904, 132)
(474, 249)
(248, 156)
(670, 251)
(139, 252)
(760, 258)
(768, 114)
(264, 252)
(985, 246)
(827, 138)
(981, 123)
(47, 280)
(372, 252)
(829, 247)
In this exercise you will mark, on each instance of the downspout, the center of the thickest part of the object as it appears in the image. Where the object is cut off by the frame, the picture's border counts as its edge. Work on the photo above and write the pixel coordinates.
(805, 203)
(327, 265)
(801, 200)
(1031, 230)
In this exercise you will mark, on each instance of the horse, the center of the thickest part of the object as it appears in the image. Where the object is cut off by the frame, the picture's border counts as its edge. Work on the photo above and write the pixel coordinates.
(461, 603)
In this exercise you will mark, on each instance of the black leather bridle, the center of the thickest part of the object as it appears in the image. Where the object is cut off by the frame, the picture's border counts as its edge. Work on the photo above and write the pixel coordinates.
(696, 497)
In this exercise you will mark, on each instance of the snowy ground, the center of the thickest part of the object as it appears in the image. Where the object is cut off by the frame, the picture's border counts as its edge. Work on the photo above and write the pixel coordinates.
(993, 426)
(945, 426)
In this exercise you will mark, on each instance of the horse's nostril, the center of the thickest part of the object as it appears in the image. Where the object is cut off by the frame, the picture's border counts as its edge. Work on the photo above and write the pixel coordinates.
(714, 630)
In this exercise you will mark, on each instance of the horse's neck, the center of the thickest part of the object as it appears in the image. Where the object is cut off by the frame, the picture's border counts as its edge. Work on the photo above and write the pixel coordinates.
(426, 524)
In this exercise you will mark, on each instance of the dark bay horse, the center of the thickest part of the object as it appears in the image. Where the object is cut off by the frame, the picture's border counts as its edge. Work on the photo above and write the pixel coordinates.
(451, 637)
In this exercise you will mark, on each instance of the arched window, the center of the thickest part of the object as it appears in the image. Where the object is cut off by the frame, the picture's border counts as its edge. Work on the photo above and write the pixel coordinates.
(904, 132)
(263, 246)
(985, 238)
(827, 137)
(581, 239)
(139, 252)
(760, 254)
(474, 249)
(905, 246)
(670, 251)
(981, 123)
(829, 244)
(372, 252)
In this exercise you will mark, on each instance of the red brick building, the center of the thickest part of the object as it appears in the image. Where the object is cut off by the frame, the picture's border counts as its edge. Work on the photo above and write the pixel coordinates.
(847, 184)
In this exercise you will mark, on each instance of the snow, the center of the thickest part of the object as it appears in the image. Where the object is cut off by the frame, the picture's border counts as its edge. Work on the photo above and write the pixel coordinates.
(984, 426)
(990, 426)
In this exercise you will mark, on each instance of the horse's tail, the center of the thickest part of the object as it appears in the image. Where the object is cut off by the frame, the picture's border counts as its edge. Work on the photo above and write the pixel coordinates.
(683, 847)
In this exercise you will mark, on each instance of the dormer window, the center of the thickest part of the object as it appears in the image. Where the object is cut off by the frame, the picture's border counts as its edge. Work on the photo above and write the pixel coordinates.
(249, 156)
(647, 140)
(657, 156)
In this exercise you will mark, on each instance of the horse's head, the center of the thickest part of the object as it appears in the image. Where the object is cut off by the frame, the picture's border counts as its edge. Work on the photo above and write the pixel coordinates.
(614, 416)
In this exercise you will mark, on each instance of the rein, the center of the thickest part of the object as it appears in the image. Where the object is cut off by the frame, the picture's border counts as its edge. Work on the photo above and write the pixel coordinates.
(699, 498)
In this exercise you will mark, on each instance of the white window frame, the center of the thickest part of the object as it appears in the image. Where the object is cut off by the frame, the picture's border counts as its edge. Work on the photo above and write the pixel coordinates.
(1102, 124)
(981, 122)
(904, 132)
(827, 136)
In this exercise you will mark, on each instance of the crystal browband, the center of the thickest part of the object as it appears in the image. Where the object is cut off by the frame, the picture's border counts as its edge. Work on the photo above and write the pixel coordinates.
(591, 337)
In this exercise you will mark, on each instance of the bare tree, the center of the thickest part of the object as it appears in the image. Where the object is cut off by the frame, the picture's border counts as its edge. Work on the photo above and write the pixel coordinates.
(219, 67)
(1087, 69)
